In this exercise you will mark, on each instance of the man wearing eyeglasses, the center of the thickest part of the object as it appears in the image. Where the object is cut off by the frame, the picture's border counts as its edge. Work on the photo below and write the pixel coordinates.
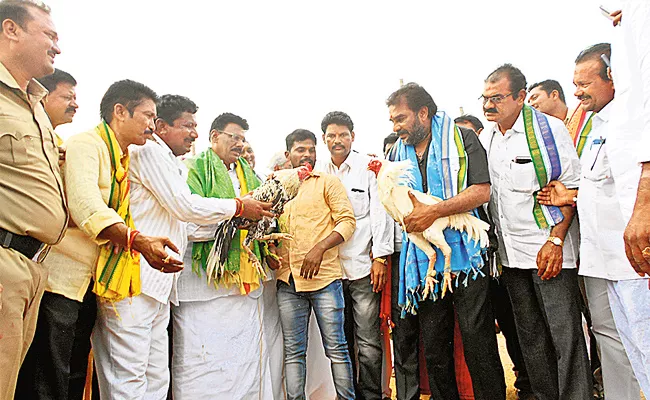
(219, 349)
(537, 244)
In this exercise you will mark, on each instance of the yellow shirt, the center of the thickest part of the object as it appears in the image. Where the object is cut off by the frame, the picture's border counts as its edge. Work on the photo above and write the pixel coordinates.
(33, 203)
(87, 176)
(321, 206)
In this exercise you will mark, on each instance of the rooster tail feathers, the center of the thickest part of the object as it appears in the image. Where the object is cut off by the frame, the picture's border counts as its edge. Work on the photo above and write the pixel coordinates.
(475, 228)
(219, 253)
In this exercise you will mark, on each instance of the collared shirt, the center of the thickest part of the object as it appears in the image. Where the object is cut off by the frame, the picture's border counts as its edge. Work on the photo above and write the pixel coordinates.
(374, 229)
(602, 251)
(320, 208)
(33, 201)
(87, 175)
(162, 204)
(513, 186)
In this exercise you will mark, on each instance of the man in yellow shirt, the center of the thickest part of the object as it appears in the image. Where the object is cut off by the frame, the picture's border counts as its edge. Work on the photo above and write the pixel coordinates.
(96, 178)
(34, 211)
(319, 218)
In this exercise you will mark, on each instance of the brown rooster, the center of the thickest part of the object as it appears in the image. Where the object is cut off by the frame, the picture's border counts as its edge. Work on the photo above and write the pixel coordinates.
(392, 181)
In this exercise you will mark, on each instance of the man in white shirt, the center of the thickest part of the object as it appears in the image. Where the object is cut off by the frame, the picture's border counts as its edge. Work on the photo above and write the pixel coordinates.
(538, 250)
(131, 345)
(364, 257)
(602, 257)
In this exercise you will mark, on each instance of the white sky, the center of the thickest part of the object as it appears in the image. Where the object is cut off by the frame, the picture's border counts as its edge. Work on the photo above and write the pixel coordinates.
(283, 65)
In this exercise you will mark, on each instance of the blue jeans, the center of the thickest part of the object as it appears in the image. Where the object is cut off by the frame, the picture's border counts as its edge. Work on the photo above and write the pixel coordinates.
(295, 310)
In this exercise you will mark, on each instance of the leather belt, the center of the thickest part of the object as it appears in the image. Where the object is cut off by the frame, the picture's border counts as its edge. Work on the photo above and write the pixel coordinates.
(25, 245)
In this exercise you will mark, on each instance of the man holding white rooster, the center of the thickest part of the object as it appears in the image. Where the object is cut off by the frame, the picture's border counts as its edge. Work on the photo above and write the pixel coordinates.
(452, 165)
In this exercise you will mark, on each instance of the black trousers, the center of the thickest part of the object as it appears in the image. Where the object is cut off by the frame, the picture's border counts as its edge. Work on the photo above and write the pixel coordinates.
(435, 320)
(56, 363)
(502, 309)
(549, 326)
(362, 332)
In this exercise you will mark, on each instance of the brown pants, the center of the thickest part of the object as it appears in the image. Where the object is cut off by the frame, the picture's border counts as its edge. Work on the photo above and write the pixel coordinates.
(23, 282)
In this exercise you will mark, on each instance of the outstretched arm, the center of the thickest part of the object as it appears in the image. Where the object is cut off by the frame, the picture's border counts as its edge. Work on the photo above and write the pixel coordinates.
(424, 215)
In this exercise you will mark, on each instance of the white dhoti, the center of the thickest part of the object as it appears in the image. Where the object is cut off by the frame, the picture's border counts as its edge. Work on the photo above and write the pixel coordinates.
(130, 345)
(273, 337)
(630, 303)
(220, 350)
(319, 383)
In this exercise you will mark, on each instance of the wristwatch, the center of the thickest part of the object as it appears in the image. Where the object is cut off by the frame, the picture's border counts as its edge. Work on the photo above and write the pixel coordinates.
(555, 240)
(381, 260)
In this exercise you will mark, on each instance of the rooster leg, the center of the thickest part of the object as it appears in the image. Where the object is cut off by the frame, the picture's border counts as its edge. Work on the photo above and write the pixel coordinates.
(435, 236)
(256, 262)
(277, 236)
(447, 281)
(430, 279)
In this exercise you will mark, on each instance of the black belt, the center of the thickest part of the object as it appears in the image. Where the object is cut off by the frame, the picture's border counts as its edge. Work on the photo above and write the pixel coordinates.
(26, 245)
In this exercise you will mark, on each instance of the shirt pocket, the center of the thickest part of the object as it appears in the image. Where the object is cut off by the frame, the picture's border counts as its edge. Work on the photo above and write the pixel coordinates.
(16, 147)
(360, 202)
(522, 177)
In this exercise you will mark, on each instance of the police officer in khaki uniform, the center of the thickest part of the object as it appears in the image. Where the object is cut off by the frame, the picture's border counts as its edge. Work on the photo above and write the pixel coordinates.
(34, 212)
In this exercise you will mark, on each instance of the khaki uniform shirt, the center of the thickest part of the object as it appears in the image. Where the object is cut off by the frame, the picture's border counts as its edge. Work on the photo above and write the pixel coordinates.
(31, 190)
(87, 175)
(321, 206)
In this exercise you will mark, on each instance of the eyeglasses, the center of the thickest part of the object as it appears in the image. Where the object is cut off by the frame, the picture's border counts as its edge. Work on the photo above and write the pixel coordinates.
(234, 136)
(496, 99)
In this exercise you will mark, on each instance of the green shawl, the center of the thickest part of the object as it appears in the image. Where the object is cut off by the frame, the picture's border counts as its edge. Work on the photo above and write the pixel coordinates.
(208, 177)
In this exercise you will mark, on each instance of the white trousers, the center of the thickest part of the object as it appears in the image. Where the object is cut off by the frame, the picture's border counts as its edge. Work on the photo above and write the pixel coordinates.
(319, 383)
(220, 351)
(619, 381)
(630, 302)
(130, 345)
(273, 337)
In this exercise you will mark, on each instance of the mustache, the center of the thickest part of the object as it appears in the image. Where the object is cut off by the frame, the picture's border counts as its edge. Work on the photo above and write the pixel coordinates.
(71, 109)
(584, 97)
(490, 110)
(403, 132)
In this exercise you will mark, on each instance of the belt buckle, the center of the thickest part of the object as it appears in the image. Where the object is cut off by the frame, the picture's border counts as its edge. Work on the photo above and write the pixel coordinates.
(42, 252)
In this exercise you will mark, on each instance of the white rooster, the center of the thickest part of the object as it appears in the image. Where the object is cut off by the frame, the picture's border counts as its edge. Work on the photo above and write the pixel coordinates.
(392, 181)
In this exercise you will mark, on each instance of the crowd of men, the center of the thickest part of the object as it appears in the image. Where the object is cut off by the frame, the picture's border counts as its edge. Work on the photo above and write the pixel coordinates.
(105, 241)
